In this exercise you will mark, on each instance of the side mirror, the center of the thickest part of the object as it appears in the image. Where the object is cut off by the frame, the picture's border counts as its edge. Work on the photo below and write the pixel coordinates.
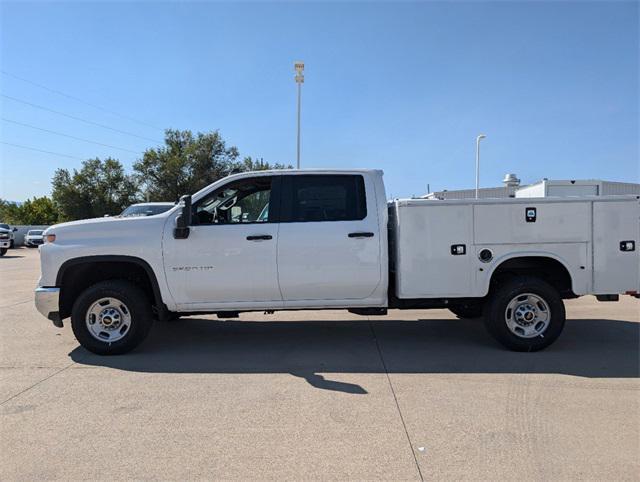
(183, 221)
(15, 229)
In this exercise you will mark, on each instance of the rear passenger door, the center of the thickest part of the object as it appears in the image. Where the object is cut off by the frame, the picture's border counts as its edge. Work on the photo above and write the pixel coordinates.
(328, 242)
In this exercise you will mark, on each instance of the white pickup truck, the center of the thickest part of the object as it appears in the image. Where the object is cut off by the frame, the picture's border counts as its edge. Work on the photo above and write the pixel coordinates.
(6, 236)
(320, 239)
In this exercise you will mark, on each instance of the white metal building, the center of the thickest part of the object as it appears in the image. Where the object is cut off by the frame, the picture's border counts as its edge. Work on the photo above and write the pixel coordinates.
(591, 187)
(544, 188)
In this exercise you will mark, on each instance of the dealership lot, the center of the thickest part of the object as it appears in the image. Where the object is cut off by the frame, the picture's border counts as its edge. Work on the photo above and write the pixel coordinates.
(326, 394)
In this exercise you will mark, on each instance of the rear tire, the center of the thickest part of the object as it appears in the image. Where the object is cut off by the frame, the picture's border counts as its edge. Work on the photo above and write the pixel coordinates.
(467, 311)
(111, 317)
(525, 314)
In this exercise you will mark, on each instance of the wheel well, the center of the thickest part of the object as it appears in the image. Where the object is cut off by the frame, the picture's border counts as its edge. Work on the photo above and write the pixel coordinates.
(79, 275)
(548, 269)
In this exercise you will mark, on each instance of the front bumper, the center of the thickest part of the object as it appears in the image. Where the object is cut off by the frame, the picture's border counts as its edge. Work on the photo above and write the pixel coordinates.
(48, 304)
(5, 243)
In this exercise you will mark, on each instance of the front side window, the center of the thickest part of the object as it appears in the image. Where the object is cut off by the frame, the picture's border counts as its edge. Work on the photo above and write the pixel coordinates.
(326, 198)
(242, 201)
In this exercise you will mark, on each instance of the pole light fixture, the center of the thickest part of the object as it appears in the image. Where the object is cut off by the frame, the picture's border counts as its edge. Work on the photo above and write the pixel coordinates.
(480, 137)
(299, 66)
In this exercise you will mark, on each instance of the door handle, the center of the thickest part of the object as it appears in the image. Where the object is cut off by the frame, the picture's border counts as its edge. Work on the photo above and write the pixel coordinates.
(361, 235)
(259, 237)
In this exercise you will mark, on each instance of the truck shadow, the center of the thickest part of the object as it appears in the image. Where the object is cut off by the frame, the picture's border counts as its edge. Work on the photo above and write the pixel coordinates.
(587, 348)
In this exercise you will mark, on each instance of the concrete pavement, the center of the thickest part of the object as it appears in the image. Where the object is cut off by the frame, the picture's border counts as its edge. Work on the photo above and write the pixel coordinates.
(318, 395)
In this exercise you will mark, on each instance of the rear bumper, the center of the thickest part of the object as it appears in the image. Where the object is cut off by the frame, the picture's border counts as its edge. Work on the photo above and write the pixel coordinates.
(48, 304)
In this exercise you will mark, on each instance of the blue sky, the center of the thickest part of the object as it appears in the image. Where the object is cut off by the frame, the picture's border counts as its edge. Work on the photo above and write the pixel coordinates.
(403, 87)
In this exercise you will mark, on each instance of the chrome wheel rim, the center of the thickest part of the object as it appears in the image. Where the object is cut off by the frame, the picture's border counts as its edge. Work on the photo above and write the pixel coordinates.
(527, 315)
(108, 320)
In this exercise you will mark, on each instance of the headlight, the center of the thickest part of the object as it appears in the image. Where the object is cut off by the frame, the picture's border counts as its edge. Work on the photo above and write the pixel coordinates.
(50, 237)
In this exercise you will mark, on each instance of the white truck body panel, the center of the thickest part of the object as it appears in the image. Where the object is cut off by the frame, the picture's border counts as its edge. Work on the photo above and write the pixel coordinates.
(422, 238)
(583, 234)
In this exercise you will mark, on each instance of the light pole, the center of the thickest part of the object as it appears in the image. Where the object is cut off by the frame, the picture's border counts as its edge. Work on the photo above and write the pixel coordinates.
(481, 136)
(299, 66)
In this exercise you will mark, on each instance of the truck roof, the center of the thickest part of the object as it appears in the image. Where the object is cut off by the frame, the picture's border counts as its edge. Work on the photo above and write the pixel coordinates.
(241, 175)
(513, 200)
(320, 170)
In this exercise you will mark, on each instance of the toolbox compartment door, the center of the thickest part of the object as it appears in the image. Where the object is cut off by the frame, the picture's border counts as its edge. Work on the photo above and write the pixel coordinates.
(425, 265)
(615, 270)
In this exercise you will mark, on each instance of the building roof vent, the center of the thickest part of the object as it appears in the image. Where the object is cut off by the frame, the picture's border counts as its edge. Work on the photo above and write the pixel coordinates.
(511, 180)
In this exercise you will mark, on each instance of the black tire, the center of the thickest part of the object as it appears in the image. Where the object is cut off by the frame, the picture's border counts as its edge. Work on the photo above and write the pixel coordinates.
(3, 251)
(138, 306)
(12, 244)
(496, 316)
(467, 311)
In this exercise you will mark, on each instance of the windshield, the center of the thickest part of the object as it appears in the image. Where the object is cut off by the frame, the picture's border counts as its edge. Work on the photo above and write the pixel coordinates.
(4, 226)
(145, 210)
(35, 233)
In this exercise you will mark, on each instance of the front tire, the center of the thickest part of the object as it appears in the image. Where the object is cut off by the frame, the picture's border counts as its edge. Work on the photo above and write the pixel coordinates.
(525, 314)
(111, 317)
(3, 251)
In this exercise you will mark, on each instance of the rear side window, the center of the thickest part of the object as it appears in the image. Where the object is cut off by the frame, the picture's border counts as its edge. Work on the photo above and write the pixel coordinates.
(313, 198)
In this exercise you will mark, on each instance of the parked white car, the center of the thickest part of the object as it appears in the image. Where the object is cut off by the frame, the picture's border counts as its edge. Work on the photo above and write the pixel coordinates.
(34, 238)
(329, 239)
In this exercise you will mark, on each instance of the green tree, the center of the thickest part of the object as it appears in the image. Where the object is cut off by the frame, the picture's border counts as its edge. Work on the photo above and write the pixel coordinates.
(98, 188)
(39, 210)
(188, 162)
(185, 164)
(250, 164)
(10, 212)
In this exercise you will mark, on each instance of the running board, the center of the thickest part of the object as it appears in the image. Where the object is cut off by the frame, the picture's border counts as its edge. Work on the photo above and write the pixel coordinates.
(368, 311)
(227, 314)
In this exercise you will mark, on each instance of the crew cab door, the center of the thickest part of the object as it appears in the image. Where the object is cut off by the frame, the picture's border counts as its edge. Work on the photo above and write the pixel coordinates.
(229, 257)
(329, 240)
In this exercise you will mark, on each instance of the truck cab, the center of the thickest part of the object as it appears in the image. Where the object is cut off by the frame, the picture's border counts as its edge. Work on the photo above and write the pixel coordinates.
(323, 243)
